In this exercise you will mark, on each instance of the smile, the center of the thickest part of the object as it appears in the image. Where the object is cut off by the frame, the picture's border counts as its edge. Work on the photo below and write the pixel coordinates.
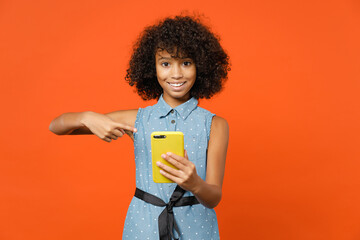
(176, 84)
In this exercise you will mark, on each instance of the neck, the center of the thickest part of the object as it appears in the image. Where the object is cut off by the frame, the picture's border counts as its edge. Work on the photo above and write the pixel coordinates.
(174, 102)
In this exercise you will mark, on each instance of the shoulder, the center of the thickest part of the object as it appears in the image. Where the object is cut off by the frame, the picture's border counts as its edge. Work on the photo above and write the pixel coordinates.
(201, 110)
(216, 121)
(219, 124)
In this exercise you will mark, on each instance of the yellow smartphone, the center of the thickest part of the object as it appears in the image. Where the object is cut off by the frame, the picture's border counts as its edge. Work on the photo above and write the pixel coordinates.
(161, 143)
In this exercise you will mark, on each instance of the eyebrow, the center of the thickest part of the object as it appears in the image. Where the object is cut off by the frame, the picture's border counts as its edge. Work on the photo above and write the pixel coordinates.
(161, 57)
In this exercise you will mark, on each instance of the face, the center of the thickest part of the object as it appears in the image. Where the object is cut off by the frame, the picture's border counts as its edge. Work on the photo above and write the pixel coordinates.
(176, 76)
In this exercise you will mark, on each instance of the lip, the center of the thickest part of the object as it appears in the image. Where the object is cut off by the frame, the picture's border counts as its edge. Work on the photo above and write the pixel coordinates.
(179, 88)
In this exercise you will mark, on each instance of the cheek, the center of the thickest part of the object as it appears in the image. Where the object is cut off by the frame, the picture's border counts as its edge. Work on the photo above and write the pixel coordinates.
(160, 74)
(161, 78)
(192, 74)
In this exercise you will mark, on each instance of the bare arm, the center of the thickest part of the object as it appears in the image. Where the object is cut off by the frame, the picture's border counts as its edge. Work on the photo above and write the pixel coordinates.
(66, 123)
(106, 126)
(208, 192)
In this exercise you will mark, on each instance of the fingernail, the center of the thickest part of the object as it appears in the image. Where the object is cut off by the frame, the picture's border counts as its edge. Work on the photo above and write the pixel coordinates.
(135, 130)
(168, 153)
(158, 163)
(163, 155)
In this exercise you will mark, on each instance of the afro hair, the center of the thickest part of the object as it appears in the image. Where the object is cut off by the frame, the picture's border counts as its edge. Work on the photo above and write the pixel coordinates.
(181, 35)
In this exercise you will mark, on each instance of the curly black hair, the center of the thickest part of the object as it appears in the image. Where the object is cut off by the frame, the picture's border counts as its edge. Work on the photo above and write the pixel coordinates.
(181, 35)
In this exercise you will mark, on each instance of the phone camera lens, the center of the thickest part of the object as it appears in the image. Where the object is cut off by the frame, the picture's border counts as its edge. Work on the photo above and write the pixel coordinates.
(159, 136)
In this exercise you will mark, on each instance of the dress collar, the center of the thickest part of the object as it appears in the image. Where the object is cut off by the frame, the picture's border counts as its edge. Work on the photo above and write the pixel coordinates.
(183, 109)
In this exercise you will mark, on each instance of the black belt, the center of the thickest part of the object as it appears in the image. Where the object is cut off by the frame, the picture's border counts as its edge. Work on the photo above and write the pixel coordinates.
(166, 219)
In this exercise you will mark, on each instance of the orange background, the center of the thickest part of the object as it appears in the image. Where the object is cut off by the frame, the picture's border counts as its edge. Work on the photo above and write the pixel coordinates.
(292, 103)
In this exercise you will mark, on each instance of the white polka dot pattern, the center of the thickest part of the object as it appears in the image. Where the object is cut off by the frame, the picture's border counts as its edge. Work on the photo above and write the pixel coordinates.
(195, 222)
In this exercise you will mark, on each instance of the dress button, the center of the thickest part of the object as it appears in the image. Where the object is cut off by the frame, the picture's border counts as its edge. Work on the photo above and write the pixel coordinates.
(172, 111)
(172, 121)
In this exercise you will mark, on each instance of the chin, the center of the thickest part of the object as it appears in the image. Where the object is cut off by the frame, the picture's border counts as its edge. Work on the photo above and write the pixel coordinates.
(179, 95)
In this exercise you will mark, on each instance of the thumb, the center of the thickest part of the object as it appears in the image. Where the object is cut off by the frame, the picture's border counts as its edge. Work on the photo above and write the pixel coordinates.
(185, 154)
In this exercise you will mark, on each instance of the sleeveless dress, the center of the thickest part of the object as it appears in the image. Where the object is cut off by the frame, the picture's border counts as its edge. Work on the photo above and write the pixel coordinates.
(195, 221)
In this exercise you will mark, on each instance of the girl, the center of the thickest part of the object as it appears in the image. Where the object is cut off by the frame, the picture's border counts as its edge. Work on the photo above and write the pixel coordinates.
(177, 62)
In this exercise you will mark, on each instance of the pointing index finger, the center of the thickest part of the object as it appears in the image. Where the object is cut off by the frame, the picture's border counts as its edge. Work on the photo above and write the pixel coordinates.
(126, 127)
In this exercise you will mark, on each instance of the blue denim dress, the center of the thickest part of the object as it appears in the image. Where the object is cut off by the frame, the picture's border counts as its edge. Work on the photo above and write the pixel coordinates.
(196, 221)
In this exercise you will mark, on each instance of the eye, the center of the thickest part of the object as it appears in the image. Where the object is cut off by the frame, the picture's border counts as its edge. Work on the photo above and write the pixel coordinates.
(187, 63)
(165, 64)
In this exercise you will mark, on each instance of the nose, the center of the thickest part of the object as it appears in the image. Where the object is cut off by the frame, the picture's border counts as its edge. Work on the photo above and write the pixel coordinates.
(176, 72)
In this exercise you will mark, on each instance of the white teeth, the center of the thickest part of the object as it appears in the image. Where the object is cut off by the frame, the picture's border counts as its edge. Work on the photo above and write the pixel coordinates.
(176, 84)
